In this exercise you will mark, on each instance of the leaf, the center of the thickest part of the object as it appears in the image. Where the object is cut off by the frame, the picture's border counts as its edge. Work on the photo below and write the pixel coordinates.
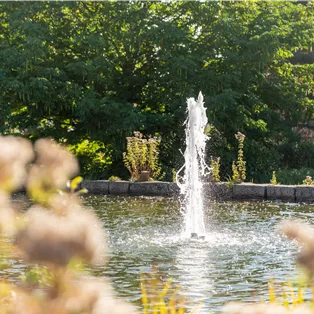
(75, 183)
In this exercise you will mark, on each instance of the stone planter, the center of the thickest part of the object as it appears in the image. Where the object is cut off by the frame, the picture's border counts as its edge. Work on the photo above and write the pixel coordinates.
(144, 176)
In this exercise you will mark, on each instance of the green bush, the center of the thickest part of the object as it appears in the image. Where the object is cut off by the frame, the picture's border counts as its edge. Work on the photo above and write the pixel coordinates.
(114, 178)
(273, 179)
(297, 155)
(142, 155)
(294, 176)
(94, 158)
(215, 169)
(308, 181)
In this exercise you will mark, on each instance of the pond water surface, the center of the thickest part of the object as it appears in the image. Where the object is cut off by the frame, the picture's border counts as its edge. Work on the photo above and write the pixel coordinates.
(241, 253)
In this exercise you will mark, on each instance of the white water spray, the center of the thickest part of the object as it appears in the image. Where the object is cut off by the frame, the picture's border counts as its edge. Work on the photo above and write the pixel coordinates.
(195, 169)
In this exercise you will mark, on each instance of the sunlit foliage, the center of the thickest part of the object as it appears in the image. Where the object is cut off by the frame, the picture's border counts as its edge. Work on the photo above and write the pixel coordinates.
(97, 71)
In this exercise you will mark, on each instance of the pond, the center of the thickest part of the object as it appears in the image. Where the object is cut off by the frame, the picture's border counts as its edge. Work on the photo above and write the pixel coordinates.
(241, 253)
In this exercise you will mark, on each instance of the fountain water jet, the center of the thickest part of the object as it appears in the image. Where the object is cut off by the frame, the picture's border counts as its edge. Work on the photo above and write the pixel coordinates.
(195, 168)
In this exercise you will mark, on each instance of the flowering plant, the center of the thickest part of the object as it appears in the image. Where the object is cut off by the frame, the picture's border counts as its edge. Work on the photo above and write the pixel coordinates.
(53, 234)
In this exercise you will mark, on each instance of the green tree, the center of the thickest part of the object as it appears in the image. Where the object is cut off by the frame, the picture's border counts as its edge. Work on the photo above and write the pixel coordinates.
(97, 71)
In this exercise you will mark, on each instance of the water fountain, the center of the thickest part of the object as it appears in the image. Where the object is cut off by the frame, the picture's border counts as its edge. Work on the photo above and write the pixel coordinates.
(194, 168)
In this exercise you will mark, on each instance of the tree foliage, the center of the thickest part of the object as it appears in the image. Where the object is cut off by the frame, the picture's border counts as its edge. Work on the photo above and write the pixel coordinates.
(97, 71)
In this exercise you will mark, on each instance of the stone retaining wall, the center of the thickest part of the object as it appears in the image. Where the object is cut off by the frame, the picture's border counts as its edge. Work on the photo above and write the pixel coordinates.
(220, 191)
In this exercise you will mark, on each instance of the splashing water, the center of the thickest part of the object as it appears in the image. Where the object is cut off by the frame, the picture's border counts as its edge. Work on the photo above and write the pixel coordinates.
(195, 168)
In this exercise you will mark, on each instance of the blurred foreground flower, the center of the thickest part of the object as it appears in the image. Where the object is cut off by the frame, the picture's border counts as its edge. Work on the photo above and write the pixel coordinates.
(8, 215)
(15, 154)
(240, 308)
(304, 234)
(54, 166)
(54, 233)
(83, 296)
(48, 238)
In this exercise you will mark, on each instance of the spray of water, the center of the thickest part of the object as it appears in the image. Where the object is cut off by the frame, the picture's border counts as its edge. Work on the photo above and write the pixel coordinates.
(194, 168)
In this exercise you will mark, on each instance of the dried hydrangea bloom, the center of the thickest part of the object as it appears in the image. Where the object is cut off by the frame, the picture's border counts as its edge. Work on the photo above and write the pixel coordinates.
(93, 297)
(298, 230)
(54, 166)
(304, 234)
(74, 297)
(24, 303)
(81, 297)
(8, 215)
(52, 239)
(15, 154)
(109, 304)
(63, 203)
(114, 306)
(240, 308)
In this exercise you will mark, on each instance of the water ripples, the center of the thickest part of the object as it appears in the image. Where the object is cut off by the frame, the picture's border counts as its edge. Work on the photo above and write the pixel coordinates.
(241, 252)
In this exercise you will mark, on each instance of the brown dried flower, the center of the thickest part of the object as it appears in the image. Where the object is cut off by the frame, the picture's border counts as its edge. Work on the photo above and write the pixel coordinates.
(7, 215)
(54, 166)
(109, 304)
(305, 235)
(239, 136)
(53, 236)
(63, 203)
(15, 154)
(239, 308)
(93, 297)
(24, 303)
(113, 306)
(57, 239)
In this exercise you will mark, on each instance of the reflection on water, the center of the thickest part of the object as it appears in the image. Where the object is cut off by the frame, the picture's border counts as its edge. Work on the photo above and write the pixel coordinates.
(235, 261)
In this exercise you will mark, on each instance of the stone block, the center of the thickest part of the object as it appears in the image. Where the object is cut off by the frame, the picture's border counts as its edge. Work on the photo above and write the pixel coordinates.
(221, 191)
(96, 186)
(285, 193)
(208, 191)
(249, 191)
(150, 188)
(119, 187)
(174, 189)
(304, 193)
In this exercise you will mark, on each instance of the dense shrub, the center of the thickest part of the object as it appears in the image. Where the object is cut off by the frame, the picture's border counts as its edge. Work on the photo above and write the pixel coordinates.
(294, 176)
